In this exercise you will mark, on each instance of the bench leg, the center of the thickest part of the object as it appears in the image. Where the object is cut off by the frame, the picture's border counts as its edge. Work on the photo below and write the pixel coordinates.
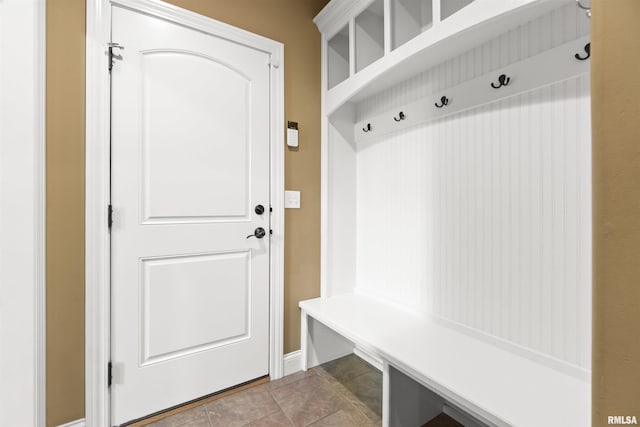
(304, 340)
(385, 394)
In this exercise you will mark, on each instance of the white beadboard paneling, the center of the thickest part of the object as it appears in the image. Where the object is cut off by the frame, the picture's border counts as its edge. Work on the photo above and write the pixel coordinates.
(393, 237)
(340, 223)
(483, 217)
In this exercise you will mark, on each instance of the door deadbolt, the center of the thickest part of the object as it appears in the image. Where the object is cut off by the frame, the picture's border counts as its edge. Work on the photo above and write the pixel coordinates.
(258, 233)
(259, 209)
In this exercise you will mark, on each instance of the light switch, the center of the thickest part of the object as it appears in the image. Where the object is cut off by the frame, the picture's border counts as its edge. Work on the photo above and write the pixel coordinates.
(292, 134)
(292, 199)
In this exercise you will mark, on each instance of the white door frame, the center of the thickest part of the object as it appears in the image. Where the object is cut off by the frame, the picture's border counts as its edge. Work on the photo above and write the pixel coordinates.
(22, 212)
(97, 258)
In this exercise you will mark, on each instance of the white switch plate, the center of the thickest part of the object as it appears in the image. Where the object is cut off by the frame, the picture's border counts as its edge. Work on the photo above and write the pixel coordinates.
(292, 199)
(292, 137)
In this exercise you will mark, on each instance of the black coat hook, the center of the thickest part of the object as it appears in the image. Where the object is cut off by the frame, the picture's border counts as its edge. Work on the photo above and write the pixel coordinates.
(586, 9)
(443, 101)
(503, 80)
(587, 48)
(367, 128)
(401, 117)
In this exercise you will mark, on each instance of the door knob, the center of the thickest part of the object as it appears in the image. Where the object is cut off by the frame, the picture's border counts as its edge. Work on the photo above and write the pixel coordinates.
(259, 209)
(258, 233)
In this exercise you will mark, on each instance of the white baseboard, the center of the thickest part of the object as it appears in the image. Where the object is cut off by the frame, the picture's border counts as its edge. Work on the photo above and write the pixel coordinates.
(292, 362)
(76, 423)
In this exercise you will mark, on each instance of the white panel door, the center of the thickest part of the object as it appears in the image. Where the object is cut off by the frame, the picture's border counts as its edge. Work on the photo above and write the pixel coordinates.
(190, 161)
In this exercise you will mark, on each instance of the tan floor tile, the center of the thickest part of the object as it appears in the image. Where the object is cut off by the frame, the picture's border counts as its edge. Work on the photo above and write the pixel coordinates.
(279, 419)
(204, 423)
(345, 392)
(301, 386)
(309, 402)
(367, 388)
(241, 408)
(358, 404)
(290, 379)
(190, 417)
(345, 418)
(345, 368)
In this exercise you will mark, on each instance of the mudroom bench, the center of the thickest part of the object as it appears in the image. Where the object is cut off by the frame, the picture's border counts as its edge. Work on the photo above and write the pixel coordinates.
(430, 366)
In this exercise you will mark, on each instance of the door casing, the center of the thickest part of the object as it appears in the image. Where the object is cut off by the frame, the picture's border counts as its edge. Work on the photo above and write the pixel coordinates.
(97, 241)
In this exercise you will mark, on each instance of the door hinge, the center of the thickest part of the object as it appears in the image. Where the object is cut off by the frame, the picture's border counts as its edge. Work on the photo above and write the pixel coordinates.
(109, 374)
(112, 55)
(110, 216)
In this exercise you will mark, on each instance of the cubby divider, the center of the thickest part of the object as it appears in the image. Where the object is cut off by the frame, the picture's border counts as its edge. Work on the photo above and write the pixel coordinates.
(369, 33)
(338, 57)
(410, 18)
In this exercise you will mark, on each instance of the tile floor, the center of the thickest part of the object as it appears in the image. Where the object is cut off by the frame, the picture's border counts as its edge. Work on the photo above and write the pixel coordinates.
(343, 393)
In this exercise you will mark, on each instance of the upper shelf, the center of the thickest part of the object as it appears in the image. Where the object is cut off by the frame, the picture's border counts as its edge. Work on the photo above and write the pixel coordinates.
(383, 42)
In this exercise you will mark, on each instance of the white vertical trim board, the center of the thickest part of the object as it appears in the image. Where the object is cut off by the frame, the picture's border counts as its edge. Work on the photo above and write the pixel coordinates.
(483, 217)
(324, 175)
(22, 213)
(276, 331)
(97, 302)
(97, 188)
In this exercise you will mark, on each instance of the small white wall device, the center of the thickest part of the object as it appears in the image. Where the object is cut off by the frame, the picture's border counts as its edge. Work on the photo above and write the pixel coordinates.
(292, 134)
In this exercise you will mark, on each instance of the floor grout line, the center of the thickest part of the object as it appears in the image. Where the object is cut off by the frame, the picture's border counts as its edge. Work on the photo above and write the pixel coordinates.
(280, 407)
(207, 414)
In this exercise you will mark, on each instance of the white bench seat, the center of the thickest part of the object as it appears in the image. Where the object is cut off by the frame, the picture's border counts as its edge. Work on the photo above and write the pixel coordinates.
(494, 385)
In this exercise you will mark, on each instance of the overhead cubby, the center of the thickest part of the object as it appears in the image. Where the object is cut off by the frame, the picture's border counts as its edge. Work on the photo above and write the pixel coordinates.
(449, 7)
(338, 57)
(369, 34)
(410, 18)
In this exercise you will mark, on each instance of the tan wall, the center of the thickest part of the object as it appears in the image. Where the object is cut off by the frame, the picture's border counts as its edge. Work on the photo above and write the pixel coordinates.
(65, 210)
(287, 21)
(615, 86)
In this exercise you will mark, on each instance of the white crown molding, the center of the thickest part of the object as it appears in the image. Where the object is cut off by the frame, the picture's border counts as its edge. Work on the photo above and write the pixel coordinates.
(337, 13)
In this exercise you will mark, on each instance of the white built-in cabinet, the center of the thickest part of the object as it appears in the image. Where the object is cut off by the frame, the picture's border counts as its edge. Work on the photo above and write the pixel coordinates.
(456, 199)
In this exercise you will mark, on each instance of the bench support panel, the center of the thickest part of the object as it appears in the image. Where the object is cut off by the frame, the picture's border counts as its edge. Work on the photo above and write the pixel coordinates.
(320, 344)
(410, 403)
